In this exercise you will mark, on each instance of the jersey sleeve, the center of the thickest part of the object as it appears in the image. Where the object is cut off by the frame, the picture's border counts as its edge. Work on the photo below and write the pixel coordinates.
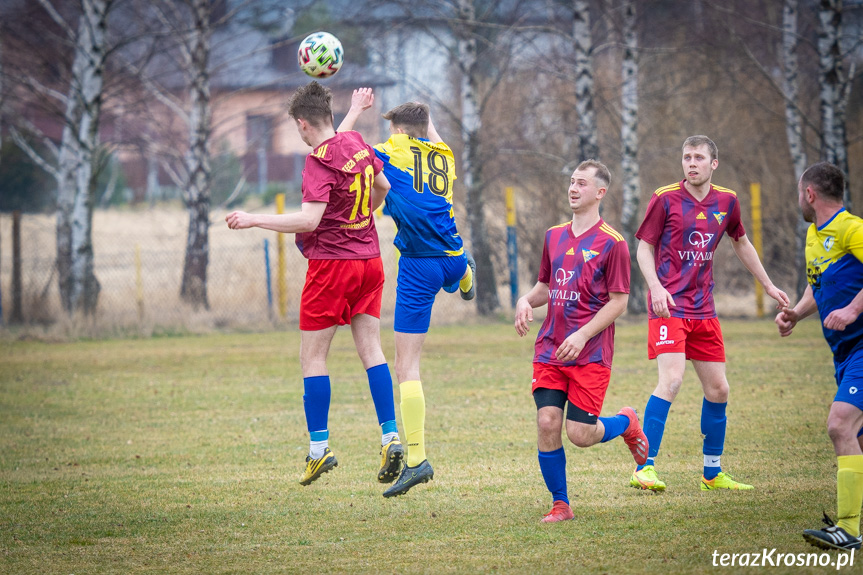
(544, 264)
(651, 227)
(617, 272)
(853, 241)
(318, 181)
(735, 229)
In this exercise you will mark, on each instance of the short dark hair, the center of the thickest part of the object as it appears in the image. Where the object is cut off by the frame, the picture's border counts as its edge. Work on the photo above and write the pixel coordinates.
(601, 170)
(313, 103)
(412, 117)
(695, 141)
(826, 178)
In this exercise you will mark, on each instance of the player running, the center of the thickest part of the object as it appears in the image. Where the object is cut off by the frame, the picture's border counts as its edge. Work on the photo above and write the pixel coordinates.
(335, 230)
(834, 268)
(584, 279)
(678, 237)
(421, 170)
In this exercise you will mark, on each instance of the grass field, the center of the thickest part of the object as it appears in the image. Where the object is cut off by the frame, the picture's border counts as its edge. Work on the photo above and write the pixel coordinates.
(183, 454)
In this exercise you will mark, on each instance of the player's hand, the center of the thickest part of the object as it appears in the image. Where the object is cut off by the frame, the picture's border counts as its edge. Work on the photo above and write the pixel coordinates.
(660, 301)
(571, 347)
(362, 99)
(523, 316)
(239, 220)
(786, 320)
(839, 319)
(780, 296)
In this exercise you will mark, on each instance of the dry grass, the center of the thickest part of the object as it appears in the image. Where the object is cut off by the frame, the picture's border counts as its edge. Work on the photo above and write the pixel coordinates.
(182, 454)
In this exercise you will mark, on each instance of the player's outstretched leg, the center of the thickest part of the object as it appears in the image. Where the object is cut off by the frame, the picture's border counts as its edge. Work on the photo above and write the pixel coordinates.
(409, 477)
(831, 537)
(634, 437)
(467, 285)
(392, 455)
(317, 467)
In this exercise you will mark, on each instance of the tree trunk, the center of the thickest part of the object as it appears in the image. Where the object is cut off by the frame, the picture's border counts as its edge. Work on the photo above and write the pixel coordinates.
(832, 82)
(79, 288)
(194, 287)
(794, 131)
(629, 162)
(584, 84)
(471, 170)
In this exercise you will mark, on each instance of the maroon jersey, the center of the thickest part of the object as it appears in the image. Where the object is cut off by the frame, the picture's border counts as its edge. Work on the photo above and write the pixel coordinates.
(685, 233)
(580, 273)
(340, 172)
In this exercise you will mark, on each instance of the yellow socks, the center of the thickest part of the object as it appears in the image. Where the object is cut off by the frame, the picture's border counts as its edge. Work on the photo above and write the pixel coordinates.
(849, 493)
(413, 408)
(466, 280)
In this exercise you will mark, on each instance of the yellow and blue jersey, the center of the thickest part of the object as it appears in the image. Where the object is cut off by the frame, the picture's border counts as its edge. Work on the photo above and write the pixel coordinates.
(834, 269)
(421, 175)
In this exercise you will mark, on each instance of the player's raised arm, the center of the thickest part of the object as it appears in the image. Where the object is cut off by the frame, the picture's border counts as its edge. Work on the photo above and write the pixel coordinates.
(361, 100)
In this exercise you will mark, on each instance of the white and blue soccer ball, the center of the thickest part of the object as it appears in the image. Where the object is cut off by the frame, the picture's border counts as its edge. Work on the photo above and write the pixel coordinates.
(320, 55)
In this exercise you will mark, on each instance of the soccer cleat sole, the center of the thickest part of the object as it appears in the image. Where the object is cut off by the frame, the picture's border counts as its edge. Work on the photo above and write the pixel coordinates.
(645, 487)
(823, 544)
(392, 463)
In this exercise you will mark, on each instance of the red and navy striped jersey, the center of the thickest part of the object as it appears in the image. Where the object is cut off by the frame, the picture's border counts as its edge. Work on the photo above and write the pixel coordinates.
(685, 233)
(340, 172)
(580, 273)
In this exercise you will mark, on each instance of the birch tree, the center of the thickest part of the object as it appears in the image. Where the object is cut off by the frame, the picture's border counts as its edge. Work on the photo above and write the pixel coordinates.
(835, 88)
(471, 168)
(794, 128)
(72, 163)
(584, 83)
(629, 160)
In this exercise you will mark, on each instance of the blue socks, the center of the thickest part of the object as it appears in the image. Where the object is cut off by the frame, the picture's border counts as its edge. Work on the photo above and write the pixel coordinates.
(614, 426)
(316, 403)
(381, 388)
(713, 423)
(552, 464)
(655, 415)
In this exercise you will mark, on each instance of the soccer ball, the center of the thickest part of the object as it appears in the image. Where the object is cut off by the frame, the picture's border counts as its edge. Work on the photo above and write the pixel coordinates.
(320, 55)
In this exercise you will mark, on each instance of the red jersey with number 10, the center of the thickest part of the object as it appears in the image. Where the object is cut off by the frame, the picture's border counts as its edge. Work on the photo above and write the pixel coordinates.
(340, 172)
(580, 273)
(685, 233)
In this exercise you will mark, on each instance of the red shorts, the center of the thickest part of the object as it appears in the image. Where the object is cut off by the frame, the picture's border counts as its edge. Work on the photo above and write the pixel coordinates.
(699, 339)
(337, 290)
(584, 385)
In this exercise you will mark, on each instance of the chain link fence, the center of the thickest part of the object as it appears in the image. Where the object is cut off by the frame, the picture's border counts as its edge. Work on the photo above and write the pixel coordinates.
(138, 258)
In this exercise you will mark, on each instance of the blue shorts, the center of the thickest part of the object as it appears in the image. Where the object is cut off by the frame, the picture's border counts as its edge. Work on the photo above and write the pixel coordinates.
(849, 378)
(418, 282)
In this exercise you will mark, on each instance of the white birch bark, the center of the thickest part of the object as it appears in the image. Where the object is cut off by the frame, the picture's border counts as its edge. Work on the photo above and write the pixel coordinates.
(584, 83)
(629, 142)
(794, 130)
(194, 285)
(79, 288)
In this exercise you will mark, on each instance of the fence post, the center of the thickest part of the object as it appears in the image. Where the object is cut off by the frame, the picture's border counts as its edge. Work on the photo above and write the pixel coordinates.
(269, 277)
(280, 262)
(755, 192)
(139, 285)
(511, 245)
